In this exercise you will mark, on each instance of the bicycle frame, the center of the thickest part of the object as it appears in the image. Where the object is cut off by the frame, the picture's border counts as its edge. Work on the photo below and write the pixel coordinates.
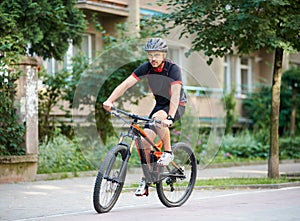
(136, 133)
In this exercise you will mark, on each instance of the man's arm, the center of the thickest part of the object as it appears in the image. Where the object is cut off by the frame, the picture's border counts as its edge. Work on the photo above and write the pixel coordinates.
(119, 91)
(174, 100)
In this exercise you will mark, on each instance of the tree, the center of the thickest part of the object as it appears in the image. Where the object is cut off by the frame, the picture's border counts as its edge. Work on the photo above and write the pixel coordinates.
(291, 79)
(31, 27)
(120, 55)
(40, 27)
(220, 27)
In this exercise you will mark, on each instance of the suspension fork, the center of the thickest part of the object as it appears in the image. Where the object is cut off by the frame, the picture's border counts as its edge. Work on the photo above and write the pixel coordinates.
(123, 170)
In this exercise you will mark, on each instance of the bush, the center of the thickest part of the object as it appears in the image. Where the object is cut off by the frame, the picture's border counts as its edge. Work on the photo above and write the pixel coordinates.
(62, 155)
(289, 148)
(231, 118)
(244, 145)
(12, 131)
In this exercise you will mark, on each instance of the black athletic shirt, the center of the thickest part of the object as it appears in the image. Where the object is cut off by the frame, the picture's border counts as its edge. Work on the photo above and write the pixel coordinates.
(160, 81)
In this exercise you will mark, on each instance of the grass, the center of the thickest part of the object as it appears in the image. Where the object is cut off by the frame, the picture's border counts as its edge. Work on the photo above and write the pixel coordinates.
(227, 182)
(242, 181)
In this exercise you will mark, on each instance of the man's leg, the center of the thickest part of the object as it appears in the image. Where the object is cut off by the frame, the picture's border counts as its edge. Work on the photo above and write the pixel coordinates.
(147, 147)
(143, 187)
(163, 132)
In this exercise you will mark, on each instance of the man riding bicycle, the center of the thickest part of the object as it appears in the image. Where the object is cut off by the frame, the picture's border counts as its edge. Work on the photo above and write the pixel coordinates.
(165, 82)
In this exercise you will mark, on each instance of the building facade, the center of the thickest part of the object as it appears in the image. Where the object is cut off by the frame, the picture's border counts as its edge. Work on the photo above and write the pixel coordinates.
(205, 85)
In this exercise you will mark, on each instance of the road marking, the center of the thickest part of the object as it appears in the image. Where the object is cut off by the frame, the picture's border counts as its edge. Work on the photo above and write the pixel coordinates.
(122, 207)
(246, 192)
(55, 215)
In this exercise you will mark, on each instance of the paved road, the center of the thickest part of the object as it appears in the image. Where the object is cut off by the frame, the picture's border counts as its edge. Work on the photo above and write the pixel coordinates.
(217, 205)
(243, 205)
(71, 199)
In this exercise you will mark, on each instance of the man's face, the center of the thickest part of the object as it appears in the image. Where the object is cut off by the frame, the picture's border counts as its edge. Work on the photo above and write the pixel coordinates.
(156, 58)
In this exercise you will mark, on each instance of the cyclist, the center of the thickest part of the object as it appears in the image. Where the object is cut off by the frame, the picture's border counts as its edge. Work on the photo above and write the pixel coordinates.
(165, 82)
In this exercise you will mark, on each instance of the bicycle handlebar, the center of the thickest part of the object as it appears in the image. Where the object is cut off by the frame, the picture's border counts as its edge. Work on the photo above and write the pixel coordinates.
(117, 111)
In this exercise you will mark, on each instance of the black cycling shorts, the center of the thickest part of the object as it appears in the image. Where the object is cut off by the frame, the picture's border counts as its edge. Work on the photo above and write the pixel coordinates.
(179, 113)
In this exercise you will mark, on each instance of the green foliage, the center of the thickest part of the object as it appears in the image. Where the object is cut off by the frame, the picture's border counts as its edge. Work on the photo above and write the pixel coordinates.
(289, 147)
(61, 155)
(246, 145)
(57, 90)
(243, 145)
(198, 138)
(11, 129)
(291, 77)
(42, 27)
(230, 103)
(290, 91)
(257, 108)
(227, 182)
(49, 97)
(246, 25)
(120, 56)
(225, 27)
(45, 26)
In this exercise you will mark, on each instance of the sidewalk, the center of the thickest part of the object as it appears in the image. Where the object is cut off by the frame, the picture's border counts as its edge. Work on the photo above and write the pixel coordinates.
(243, 171)
(22, 201)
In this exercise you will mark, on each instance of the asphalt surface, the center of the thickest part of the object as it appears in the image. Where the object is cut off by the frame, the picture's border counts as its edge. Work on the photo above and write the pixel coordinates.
(50, 198)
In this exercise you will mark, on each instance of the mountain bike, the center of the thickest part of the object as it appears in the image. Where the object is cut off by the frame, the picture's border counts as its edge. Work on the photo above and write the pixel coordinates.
(174, 183)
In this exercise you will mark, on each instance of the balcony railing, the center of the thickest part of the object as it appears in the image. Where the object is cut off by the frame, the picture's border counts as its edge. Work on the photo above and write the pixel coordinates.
(111, 3)
(108, 6)
(204, 91)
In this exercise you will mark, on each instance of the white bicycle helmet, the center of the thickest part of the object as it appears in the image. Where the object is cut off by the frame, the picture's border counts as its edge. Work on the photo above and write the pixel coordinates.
(156, 44)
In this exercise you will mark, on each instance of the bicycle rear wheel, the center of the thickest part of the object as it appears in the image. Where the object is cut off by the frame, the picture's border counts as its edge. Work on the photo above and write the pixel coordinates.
(110, 179)
(175, 189)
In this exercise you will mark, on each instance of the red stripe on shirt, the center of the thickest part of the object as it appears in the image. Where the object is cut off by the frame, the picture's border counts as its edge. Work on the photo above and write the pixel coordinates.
(134, 75)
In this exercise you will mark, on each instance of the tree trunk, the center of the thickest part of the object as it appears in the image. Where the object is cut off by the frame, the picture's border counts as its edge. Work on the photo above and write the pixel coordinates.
(294, 108)
(273, 164)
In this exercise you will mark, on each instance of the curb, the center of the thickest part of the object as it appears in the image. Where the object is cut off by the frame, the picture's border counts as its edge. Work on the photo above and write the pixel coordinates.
(236, 187)
(250, 186)
(236, 164)
(64, 175)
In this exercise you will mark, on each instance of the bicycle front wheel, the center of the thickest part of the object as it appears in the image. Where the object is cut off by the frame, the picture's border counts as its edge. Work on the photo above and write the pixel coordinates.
(177, 186)
(110, 179)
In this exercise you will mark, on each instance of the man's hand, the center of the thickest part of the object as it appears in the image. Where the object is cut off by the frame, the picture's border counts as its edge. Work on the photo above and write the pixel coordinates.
(107, 105)
(167, 123)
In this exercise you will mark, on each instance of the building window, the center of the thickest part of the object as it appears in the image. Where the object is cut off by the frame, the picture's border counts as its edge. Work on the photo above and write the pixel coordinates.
(243, 76)
(227, 76)
(87, 48)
